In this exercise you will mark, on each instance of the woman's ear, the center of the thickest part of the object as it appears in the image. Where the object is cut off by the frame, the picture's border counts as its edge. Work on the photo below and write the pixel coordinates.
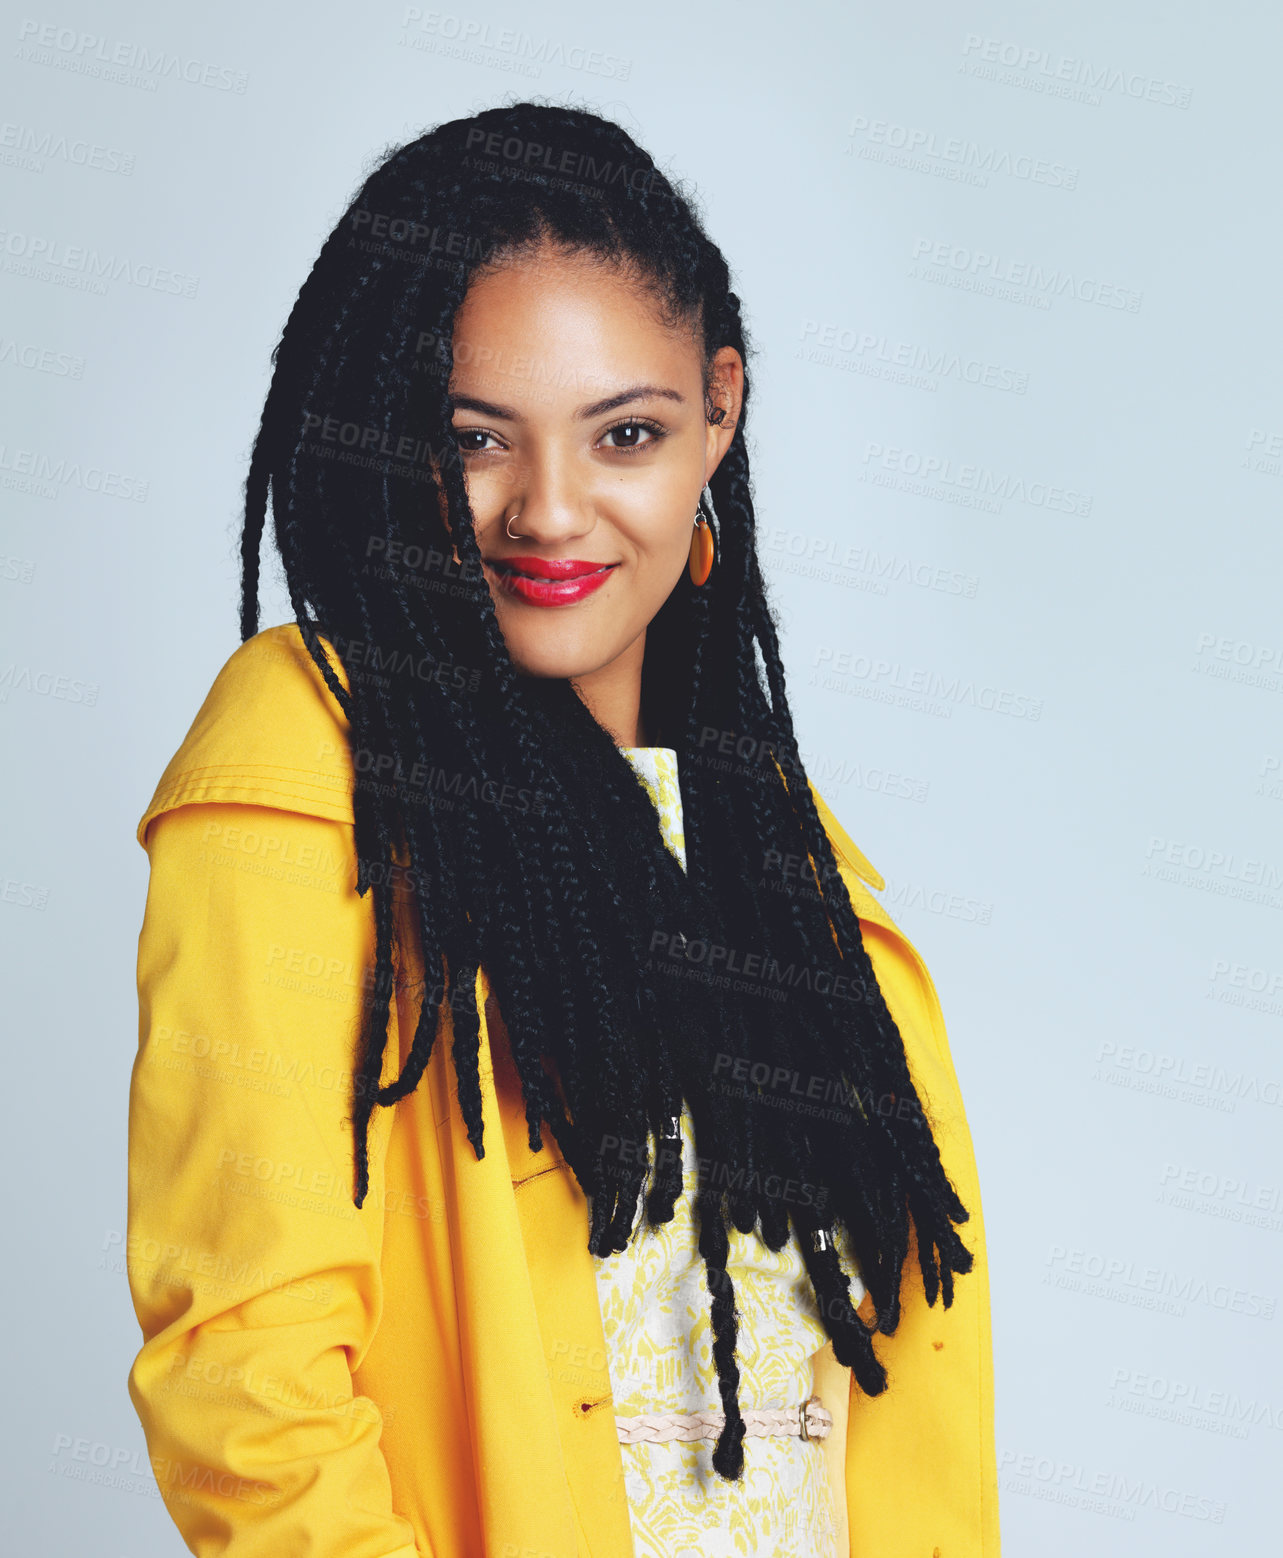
(724, 400)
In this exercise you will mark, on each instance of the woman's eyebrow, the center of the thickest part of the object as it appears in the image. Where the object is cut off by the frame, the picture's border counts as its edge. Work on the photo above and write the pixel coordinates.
(488, 408)
(637, 392)
(485, 408)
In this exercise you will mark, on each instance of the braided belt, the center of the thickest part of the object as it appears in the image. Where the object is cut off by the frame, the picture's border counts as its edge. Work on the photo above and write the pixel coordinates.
(807, 1420)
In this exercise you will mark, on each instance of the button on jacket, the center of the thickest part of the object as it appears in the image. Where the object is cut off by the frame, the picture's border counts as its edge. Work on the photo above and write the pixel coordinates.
(425, 1377)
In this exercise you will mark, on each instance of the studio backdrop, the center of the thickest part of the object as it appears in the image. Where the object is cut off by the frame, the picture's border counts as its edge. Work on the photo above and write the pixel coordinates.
(1011, 277)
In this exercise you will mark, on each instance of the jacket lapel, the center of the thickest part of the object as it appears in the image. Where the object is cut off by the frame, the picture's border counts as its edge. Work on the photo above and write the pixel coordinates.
(534, 1343)
(512, 1414)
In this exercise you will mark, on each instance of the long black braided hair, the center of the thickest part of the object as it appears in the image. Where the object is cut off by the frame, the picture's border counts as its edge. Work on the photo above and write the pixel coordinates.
(740, 988)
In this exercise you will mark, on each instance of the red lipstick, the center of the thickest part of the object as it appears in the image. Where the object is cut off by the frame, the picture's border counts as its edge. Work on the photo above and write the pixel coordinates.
(550, 581)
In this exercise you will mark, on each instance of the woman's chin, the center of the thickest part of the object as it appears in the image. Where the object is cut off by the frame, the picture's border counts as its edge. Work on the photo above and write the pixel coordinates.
(547, 665)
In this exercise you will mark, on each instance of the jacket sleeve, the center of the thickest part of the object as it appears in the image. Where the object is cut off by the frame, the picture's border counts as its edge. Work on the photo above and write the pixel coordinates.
(254, 1278)
(921, 1470)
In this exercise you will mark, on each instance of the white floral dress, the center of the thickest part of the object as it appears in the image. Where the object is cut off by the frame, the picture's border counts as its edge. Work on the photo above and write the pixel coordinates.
(655, 1315)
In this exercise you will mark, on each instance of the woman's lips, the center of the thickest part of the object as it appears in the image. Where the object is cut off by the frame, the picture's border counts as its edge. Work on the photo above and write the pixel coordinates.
(546, 581)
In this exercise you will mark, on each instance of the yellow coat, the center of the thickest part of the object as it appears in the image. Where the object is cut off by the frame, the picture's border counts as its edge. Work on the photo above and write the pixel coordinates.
(427, 1377)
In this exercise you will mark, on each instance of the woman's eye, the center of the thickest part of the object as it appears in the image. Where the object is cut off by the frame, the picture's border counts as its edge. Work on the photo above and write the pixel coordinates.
(634, 435)
(463, 434)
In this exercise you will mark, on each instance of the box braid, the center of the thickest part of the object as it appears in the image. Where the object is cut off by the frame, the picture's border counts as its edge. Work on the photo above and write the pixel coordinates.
(565, 899)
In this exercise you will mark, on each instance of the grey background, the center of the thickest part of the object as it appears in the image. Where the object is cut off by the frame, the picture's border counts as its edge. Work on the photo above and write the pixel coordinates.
(1097, 889)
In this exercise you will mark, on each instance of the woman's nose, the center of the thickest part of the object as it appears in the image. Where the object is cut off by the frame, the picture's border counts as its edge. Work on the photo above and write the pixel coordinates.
(548, 503)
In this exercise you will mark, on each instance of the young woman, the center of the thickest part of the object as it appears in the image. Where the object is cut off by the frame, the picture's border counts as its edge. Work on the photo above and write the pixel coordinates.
(542, 1142)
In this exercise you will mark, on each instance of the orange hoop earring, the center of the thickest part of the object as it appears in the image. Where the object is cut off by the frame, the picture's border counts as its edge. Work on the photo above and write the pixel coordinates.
(703, 549)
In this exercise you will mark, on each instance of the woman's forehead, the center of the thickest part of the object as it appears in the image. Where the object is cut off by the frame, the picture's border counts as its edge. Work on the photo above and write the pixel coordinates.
(572, 333)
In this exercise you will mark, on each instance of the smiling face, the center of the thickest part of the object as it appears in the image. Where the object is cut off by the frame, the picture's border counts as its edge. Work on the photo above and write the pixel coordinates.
(582, 421)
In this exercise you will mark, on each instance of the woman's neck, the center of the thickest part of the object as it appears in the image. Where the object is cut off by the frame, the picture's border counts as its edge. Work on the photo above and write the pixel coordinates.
(613, 696)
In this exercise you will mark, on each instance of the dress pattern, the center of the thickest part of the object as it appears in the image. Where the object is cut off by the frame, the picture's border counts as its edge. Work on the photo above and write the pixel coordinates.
(654, 1306)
